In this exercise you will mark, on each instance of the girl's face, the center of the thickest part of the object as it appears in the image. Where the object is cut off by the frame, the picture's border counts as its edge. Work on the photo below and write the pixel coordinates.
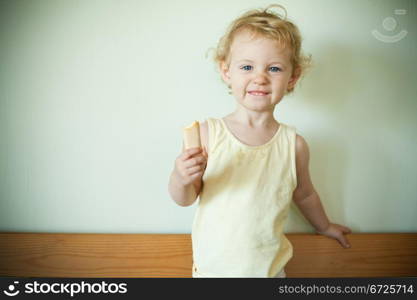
(260, 72)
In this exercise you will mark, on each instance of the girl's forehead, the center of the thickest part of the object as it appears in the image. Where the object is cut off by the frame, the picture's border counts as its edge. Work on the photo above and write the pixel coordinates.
(245, 44)
(248, 39)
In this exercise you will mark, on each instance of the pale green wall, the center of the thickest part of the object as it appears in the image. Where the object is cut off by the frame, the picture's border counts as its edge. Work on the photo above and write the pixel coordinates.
(93, 95)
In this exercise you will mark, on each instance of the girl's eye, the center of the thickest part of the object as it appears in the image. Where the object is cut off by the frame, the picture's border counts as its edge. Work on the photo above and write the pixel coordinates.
(275, 69)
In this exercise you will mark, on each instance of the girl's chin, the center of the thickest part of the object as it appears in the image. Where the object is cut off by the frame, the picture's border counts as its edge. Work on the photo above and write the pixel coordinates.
(258, 107)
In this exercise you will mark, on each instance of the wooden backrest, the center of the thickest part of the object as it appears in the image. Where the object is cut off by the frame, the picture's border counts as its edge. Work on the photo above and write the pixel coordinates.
(170, 255)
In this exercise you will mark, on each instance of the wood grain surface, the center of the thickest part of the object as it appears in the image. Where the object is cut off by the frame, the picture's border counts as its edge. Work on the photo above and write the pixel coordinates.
(170, 255)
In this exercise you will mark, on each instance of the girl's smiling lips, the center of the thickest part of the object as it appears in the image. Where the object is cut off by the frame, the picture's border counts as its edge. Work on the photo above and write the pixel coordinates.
(258, 93)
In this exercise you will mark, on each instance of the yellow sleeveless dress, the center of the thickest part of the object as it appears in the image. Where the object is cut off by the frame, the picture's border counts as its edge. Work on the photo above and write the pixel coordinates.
(238, 226)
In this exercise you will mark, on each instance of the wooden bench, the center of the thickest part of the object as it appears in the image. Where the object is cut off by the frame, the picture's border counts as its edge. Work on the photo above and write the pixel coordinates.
(170, 255)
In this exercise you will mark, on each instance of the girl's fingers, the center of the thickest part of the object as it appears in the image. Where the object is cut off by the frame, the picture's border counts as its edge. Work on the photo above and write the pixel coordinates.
(198, 160)
(344, 229)
(190, 152)
(193, 170)
(344, 241)
(196, 175)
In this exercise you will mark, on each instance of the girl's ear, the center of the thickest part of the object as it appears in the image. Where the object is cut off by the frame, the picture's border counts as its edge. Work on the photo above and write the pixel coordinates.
(294, 78)
(224, 72)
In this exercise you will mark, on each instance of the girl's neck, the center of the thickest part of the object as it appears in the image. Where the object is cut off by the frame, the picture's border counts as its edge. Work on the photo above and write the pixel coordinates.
(253, 119)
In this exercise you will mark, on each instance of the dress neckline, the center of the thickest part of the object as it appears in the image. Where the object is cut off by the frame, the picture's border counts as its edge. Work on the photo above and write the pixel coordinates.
(234, 138)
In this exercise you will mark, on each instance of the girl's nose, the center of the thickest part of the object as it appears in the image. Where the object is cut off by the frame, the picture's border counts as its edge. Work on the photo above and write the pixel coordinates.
(260, 78)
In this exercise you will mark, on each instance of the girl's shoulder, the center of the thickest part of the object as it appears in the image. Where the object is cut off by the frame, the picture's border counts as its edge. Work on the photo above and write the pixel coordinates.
(214, 123)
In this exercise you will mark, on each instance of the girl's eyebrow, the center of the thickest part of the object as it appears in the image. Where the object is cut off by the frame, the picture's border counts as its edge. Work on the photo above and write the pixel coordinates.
(273, 62)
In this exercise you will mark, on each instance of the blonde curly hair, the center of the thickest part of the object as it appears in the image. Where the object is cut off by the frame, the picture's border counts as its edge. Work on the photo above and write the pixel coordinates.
(264, 23)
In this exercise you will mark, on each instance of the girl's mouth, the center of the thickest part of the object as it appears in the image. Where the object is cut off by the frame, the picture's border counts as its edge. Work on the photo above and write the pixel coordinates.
(257, 93)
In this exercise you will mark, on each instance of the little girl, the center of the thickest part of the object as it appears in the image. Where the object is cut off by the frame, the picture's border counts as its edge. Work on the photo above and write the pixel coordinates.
(250, 166)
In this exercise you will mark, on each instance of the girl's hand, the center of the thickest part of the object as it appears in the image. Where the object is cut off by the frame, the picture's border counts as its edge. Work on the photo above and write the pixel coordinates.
(336, 231)
(190, 165)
